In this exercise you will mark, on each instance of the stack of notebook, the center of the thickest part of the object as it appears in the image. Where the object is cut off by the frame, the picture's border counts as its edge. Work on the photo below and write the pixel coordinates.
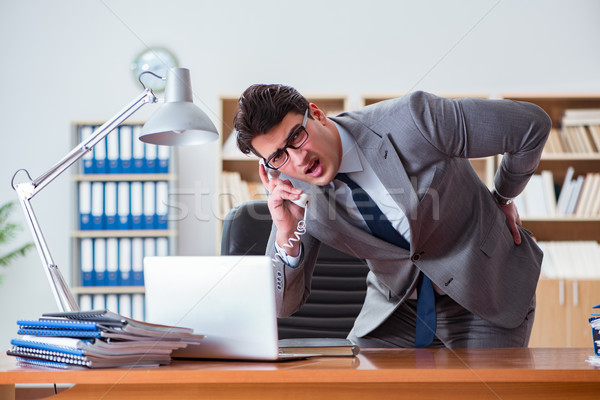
(96, 339)
(595, 323)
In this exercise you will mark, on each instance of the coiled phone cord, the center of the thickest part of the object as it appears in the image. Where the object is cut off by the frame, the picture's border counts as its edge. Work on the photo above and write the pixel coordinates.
(300, 230)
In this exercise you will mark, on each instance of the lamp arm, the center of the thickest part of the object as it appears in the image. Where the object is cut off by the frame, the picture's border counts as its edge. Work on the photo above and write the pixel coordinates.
(27, 190)
(60, 289)
(100, 133)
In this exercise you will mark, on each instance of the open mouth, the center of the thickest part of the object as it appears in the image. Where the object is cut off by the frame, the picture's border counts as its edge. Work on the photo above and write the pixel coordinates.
(313, 167)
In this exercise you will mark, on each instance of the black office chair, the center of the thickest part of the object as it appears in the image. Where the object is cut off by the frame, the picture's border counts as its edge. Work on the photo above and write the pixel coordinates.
(338, 285)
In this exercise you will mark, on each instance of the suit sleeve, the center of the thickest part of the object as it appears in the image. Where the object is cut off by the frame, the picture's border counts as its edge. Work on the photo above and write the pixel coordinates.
(471, 128)
(292, 285)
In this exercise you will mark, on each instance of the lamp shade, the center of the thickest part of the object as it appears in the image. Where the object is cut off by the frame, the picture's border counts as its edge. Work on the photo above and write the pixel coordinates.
(178, 122)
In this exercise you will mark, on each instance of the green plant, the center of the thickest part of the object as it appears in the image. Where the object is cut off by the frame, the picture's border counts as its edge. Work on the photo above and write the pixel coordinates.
(8, 232)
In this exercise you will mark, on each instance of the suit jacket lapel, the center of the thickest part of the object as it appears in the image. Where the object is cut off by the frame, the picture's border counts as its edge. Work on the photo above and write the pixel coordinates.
(331, 224)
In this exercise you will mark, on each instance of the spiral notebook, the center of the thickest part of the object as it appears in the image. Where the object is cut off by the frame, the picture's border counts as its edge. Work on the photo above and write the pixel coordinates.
(230, 299)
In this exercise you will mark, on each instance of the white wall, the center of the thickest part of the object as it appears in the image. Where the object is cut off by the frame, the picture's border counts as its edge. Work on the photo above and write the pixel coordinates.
(63, 61)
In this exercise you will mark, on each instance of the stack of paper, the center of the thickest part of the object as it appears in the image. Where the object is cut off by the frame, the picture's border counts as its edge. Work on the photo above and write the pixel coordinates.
(319, 346)
(96, 339)
(595, 323)
(572, 259)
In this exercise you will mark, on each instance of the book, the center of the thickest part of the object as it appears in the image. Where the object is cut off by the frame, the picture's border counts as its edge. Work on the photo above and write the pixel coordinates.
(575, 193)
(595, 204)
(30, 362)
(594, 321)
(595, 135)
(585, 198)
(93, 361)
(580, 134)
(556, 141)
(113, 322)
(319, 346)
(549, 192)
(593, 195)
(569, 137)
(77, 352)
(586, 139)
(76, 333)
(581, 116)
(58, 324)
(535, 197)
(98, 346)
(565, 192)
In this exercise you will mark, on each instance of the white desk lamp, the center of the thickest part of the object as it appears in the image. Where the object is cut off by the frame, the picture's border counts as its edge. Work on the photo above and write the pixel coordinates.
(178, 122)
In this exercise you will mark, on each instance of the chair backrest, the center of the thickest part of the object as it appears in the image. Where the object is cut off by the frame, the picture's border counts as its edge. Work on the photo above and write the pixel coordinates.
(338, 285)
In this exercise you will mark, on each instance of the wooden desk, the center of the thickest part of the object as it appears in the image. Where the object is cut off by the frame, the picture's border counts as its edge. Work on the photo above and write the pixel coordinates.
(378, 374)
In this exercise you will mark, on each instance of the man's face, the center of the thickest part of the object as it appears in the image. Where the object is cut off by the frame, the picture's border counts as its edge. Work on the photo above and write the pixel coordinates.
(317, 160)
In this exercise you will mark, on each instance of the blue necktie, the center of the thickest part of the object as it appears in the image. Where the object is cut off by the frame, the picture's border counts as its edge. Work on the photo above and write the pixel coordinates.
(381, 227)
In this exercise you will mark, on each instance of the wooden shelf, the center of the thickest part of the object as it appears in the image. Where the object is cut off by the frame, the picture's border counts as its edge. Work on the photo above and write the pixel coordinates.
(563, 228)
(144, 233)
(108, 289)
(123, 177)
(570, 157)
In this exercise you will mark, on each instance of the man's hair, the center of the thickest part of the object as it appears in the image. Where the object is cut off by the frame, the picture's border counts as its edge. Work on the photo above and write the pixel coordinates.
(261, 107)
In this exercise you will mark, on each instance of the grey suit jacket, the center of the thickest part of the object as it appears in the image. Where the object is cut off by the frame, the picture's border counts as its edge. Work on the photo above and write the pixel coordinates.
(419, 145)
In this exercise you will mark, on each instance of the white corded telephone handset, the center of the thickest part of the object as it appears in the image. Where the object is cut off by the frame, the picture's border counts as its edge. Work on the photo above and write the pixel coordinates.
(303, 201)
(304, 198)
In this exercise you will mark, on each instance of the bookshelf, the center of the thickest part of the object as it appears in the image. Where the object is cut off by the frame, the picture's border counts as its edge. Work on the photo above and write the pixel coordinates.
(564, 305)
(120, 215)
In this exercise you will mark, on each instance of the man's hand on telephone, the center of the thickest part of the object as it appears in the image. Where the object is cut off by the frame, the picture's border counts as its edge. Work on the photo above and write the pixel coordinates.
(286, 214)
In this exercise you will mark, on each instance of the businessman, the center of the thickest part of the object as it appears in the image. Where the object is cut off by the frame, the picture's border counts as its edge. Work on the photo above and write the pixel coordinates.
(391, 183)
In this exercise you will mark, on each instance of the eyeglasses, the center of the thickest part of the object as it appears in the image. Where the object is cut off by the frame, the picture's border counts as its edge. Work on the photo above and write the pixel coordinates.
(294, 141)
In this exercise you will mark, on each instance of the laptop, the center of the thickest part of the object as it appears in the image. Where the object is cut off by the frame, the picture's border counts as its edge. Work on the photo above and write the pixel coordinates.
(230, 299)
